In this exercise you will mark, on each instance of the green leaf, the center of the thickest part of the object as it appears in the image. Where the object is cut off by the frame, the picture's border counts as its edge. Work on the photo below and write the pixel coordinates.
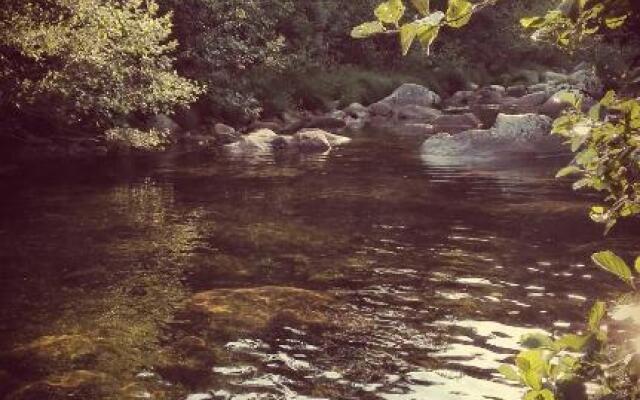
(570, 98)
(367, 29)
(509, 372)
(531, 395)
(566, 171)
(428, 28)
(530, 360)
(390, 11)
(459, 13)
(422, 6)
(533, 379)
(614, 264)
(637, 265)
(598, 214)
(408, 33)
(571, 342)
(596, 314)
(608, 99)
(532, 22)
(546, 394)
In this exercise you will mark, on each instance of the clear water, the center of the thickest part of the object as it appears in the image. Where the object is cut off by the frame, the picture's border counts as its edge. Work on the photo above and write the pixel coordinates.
(433, 274)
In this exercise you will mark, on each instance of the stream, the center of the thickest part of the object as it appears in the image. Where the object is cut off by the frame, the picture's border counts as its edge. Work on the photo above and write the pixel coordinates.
(424, 277)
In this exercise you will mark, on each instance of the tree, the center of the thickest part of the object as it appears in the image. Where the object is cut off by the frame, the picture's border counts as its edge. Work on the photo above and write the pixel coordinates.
(88, 63)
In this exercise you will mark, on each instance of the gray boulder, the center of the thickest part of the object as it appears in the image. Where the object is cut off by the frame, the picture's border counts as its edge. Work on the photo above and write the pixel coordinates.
(380, 109)
(512, 136)
(418, 113)
(410, 93)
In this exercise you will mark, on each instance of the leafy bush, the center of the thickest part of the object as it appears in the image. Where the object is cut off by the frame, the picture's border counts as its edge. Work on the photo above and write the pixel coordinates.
(87, 63)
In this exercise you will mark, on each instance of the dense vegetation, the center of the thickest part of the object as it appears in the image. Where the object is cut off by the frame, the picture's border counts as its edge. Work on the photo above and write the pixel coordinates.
(84, 66)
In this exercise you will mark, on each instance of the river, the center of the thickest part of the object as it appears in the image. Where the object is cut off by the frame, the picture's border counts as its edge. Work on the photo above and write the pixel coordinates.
(428, 275)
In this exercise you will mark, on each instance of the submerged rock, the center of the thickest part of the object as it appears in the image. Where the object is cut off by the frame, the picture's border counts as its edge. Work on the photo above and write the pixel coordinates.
(79, 384)
(62, 349)
(252, 310)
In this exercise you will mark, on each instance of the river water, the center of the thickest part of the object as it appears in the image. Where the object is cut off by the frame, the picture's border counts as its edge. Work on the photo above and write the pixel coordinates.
(428, 276)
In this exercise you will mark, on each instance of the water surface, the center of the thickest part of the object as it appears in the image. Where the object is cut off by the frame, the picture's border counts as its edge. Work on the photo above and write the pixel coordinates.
(431, 274)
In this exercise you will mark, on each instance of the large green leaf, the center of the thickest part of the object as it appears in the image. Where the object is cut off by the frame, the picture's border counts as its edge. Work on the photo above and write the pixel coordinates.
(614, 264)
(571, 342)
(367, 29)
(408, 33)
(509, 372)
(546, 394)
(459, 13)
(596, 314)
(533, 379)
(530, 360)
(422, 6)
(390, 11)
(429, 27)
(566, 171)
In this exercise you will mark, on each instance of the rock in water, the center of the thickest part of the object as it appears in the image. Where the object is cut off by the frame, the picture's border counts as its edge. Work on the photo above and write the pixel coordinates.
(512, 136)
(257, 142)
(418, 113)
(410, 93)
(311, 141)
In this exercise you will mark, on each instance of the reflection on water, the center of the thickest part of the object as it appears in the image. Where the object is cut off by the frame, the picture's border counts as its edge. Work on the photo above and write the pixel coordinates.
(360, 274)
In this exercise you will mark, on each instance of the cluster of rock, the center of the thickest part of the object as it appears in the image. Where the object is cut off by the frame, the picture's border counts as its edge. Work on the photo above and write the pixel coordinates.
(474, 117)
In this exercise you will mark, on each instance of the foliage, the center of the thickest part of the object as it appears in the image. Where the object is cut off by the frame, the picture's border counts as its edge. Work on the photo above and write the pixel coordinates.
(576, 20)
(222, 42)
(425, 28)
(89, 62)
(607, 145)
(551, 361)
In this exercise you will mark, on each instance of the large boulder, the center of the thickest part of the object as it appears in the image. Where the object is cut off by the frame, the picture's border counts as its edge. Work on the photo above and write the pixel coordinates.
(410, 93)
(256, 142)
(315, 140)
(225, 134)
(310, 141)
(512, 136)
(380, 109)
(414, 112)
(523, 127)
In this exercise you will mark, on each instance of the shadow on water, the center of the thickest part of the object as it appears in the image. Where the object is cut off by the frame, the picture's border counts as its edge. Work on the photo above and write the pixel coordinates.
(358, 274)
